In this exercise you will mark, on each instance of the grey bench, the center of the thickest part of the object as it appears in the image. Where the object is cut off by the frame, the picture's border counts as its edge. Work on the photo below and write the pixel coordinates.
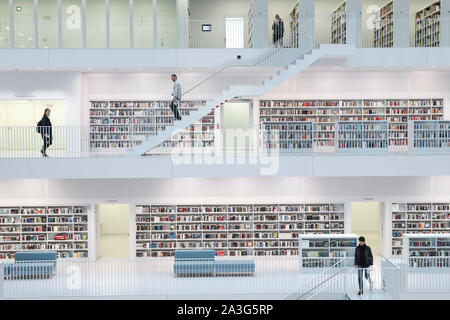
(200, 263)
(31, 265)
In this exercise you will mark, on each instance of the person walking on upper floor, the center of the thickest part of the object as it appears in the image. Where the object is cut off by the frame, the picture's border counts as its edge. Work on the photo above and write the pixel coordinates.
(44, 128)
(363, 260)
(175, 103)
(278, 31)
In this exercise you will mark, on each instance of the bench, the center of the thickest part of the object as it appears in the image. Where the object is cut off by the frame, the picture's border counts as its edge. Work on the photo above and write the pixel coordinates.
(199, 263)
(31, 265)
(194, 263)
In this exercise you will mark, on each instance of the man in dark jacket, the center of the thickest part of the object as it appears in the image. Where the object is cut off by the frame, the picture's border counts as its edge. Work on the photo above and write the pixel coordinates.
(363, 260)
(278, 31)
(44, 128)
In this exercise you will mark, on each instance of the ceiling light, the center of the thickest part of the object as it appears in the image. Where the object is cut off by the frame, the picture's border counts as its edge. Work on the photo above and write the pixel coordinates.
(434, 66)
(90, 68)
(39, 68)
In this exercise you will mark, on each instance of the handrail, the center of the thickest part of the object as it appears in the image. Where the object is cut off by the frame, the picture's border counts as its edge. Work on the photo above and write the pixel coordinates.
(326, 280)
(320, 274)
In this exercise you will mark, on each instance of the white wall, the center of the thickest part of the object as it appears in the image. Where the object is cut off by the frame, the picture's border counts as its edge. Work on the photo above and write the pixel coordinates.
(215, 12)
(45, 86)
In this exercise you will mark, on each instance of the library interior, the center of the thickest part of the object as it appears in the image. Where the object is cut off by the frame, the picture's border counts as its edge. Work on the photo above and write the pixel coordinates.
(211, 149)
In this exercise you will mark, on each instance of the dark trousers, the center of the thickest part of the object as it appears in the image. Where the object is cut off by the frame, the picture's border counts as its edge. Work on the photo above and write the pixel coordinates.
(361, 271)
(47, 143)
(174, 107)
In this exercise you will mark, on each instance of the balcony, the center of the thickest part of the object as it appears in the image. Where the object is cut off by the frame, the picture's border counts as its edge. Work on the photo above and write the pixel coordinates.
(425, 152)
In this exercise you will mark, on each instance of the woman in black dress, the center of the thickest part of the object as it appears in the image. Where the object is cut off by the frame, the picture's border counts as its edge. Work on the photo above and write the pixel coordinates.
(45, 129)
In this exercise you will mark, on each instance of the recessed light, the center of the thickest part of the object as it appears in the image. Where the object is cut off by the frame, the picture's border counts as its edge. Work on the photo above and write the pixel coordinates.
(434, 66)
(39, 68)
(90, 68)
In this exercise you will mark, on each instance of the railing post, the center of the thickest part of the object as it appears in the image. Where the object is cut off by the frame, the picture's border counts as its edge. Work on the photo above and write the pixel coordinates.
(444, 33)
(401, 24)
(12, 34)
(354, 23)
(2, 288)
(305, 24)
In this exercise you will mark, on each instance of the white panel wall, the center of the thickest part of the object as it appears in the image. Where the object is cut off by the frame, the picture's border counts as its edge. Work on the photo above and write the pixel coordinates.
(45, 86)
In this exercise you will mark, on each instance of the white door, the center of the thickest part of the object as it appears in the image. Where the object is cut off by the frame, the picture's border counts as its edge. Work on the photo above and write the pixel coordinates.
(234, 32)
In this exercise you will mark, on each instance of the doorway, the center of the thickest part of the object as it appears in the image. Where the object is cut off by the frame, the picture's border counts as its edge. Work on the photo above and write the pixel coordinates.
(234, 33)
(235, 125)
(368, 221)
(112, 231)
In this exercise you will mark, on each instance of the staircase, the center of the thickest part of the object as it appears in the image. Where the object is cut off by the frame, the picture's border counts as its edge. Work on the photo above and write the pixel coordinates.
(241, 78)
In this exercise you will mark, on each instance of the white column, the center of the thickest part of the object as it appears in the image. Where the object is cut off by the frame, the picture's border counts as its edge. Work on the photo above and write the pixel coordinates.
(84, 23)
(155, 24)
(401, 23)
(306, 11)
(12, 38)
(108, 24)
(182, 23)
(131, 24)
(354, 22)
(260, 24)
(36, 23)
(445, 23)
(60, 28)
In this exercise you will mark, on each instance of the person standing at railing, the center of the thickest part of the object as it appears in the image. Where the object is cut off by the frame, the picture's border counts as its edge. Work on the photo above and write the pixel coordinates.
(363, 260)
(278, 31)
(44, 128)
(174, 104)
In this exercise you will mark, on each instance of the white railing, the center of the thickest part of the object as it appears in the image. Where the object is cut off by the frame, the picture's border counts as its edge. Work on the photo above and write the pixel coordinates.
(91, 141)
(273, 278)
(328, 29)
(423, 274)
(323, 275)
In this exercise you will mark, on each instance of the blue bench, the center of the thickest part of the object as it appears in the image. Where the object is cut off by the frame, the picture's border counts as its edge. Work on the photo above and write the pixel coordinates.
(31, 265)
(198, 263)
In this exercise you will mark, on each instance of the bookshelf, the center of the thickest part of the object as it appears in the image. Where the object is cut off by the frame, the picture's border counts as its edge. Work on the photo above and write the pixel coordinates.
(233, 230)
(384, 31)
(324, 251)
(366, 135)
(427, 250)
(418, 218)
(60, 228)
(339, 25)
(432, 135)
(427, 26)
(287, 136)
(329, 119)
(198, 136)
(116, 125)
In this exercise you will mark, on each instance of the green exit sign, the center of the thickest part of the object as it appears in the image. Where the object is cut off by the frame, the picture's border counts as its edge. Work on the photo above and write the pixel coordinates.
(18, 9)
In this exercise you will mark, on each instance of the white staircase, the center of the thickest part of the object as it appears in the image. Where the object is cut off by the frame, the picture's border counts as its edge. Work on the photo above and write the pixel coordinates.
(284, 73)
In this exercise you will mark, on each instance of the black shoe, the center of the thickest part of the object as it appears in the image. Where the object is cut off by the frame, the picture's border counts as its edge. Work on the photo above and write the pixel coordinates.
(42, 153)
(45, 155)
(360, 292)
